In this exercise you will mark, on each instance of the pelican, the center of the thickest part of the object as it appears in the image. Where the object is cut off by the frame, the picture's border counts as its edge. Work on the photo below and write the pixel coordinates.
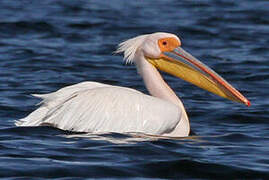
(101, 108)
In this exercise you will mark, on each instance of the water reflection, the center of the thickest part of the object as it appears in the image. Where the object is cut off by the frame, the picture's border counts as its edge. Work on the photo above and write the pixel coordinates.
(129, 138)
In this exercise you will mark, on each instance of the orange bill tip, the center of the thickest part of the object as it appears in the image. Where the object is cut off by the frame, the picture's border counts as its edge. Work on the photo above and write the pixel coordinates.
(248, 103)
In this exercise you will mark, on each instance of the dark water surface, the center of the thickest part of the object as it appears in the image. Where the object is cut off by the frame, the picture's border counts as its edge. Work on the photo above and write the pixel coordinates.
(46, 45)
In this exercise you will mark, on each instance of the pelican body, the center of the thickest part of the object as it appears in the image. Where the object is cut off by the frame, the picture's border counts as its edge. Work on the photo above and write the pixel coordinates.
(101, 108)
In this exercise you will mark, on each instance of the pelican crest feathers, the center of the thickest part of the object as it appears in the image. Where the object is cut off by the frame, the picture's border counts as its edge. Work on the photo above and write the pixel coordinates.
(129, 48)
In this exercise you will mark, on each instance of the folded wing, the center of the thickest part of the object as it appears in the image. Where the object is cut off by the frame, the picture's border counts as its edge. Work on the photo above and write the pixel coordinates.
(103, 108)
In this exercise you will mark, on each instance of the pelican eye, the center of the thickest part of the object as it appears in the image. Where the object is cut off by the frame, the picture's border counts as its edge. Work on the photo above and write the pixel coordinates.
(168, 44)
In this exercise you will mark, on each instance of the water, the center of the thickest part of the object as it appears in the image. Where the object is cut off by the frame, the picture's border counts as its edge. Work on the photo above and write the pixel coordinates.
(46, 45)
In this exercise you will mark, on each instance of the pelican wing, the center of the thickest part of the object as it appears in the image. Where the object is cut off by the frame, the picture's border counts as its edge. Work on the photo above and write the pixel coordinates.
(106, 109)
(52, 100)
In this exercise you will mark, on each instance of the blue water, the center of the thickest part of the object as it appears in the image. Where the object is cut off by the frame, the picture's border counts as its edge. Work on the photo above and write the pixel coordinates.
(46, 45)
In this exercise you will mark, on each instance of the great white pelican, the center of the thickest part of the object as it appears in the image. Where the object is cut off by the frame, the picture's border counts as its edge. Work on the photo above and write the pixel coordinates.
(101, 108)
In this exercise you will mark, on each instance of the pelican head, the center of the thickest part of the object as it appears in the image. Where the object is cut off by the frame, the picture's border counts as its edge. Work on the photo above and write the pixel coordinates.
(164, 52)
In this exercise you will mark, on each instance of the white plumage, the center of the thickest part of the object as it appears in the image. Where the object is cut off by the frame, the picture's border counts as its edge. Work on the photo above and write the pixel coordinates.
(96, 107)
